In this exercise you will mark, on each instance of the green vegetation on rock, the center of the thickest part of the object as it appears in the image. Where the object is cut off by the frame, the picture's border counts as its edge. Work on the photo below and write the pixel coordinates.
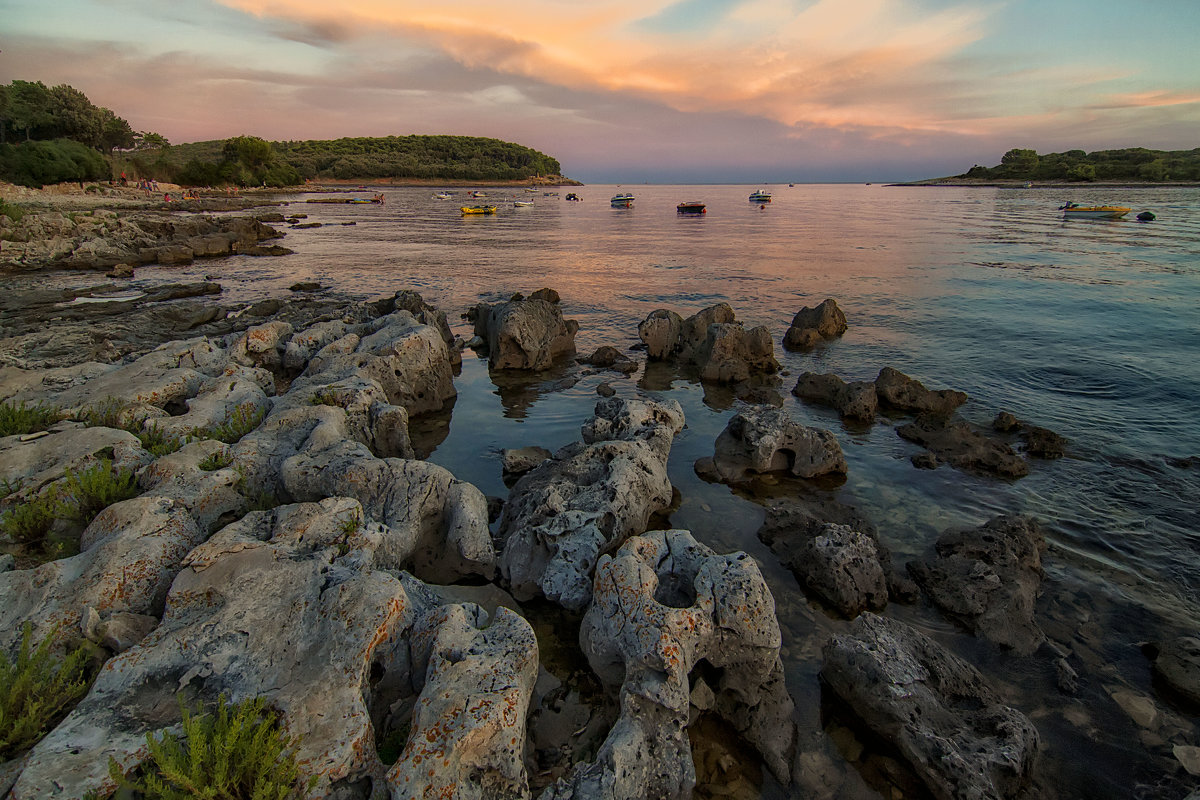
(37, 691)
(20, 418)
(238, 752)
(1130, 164)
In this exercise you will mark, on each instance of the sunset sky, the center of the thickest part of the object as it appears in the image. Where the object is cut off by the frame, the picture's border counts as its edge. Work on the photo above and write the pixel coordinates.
(642, 90)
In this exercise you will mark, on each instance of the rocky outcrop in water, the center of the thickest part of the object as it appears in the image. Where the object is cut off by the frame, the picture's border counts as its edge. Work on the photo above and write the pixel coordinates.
(857, 401)
(897, 390)
(712, 341)
(1039, 442)
(766, 439)
(964, 446)
(988, 579)
(1177, 663)
(588, 498)
(661, 605)
(525, 333)
(102, 239)
(936, 709)
(811, 325)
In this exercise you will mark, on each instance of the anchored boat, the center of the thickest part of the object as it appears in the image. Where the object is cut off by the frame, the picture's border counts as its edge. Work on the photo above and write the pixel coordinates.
(478, 210)
(1076, 211)
(690, 207)
(760, 196)
(623, 200)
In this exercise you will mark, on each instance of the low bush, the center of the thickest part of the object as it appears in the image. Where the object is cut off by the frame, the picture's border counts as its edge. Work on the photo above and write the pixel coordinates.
(28, 523)
(85, 494)
(218, 460)
(237, 424)
(238, 752)
(10, 210)
(158, 442)
(37, 691)
(19, 418)
(36, 163)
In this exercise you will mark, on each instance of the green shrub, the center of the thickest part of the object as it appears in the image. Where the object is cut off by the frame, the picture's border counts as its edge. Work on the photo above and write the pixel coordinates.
(218, 460)
(239, 752)
(10, 210)
(28, 523)
(37, 691)
(325, 397)
(237, 424)
(19, 418)
(85, 494)
(158, 442)
(36, 163)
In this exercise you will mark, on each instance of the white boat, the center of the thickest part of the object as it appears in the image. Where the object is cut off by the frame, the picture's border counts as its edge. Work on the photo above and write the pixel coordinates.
(760, 196)
(522, 203)
(622, 200)
(477, 193)
(1075, 211)
(442, 196)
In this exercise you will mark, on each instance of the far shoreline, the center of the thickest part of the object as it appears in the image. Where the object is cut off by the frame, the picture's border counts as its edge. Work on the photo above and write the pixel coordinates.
(967, 183)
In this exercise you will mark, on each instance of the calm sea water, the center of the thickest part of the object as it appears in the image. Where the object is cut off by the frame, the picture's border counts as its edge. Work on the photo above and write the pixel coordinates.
(1090, 328)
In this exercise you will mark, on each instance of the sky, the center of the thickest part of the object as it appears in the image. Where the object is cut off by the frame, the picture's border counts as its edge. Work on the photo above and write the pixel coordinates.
(625, 91)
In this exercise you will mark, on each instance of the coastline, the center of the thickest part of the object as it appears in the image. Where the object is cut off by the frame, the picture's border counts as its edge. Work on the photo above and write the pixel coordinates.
(966, 183)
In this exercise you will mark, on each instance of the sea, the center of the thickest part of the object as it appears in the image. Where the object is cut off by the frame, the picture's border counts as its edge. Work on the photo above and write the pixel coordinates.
(1090, 328)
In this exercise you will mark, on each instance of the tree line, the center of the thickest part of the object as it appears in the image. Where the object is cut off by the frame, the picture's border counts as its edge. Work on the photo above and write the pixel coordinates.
(55, 134)
(1129, 164)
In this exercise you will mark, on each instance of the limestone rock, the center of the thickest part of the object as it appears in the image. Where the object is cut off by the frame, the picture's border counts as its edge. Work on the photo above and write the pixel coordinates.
(1178, 663)
(842, 566)
(988, 579)
(766, 439)
(662, 604)
(855, 401)
(907, 394)
(712, 341)
(525, 334)
(827, 321)
(520, 460)
(661, 331)
(935, 708)
(561, 515)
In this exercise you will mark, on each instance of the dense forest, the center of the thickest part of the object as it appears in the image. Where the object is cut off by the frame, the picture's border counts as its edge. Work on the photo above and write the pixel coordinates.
(1130, 164)
(55, 134)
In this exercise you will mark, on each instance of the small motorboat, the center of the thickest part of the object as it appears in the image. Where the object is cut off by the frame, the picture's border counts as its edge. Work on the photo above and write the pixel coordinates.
(442, 196)
(523, 203)
(476, 193)
(1076, 211)
(622, 200)
(572, 196)
(346, 200)
(760, 196)
(690, 207)
(477, 210)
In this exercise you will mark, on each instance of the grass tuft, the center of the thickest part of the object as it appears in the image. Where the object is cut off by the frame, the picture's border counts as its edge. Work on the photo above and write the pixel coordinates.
(238, 752)
(37, 691)
(28, 523)
(237, 424)
(218, 460)
(19, 418)
(158, 442)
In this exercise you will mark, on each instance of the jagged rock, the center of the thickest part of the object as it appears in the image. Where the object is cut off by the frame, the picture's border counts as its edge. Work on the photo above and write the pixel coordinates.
(907, 394)
(936, 709)
(660, 332)
(525, 334)
(120, 271)
(842, 565)
(469, 723)
(988, 579)
(605, 390)
(810, 325)
(1043, 443)
(857, 401)
(211, 497)
(662, 604)
(522, 459)
(237, 391)
(545, 293)
(963, 445)
(766, 439)
(561, 515)
(130, 554)
(263, 345)
(791, 526)
(303, 345)
(1178, 663)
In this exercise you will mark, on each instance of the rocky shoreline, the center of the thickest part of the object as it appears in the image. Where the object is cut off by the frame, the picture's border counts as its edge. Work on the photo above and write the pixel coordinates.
(314, 561)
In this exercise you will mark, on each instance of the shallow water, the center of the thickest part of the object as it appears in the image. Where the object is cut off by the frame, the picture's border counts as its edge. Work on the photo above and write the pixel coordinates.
(1087, 327)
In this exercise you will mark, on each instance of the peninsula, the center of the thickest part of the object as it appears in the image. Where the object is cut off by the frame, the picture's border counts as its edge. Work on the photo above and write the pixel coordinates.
(1130, 165)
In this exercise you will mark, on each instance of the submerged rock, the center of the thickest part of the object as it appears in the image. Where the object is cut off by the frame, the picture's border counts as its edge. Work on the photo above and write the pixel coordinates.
(1178, 664)
(899, 391)
(856, 401)
(936, 709)
(963, 445)
(988, 579)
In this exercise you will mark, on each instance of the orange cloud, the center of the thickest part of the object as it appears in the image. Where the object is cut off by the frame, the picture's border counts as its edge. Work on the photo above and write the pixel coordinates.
(763, 59)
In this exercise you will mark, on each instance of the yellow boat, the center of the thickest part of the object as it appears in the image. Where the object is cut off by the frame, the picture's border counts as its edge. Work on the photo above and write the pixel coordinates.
(478, 209)
(1073, 211)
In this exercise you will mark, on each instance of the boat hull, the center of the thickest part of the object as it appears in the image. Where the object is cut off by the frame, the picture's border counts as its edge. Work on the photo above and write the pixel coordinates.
(469, 210)
(1095, 212)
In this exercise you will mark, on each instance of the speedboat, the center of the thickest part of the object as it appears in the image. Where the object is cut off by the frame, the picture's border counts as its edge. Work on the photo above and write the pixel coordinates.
(442, 196)
(760, 196)
(522, 203)
(1076, 211)
(622, 200)
(690, 207)
(478, 209)
(477, 193)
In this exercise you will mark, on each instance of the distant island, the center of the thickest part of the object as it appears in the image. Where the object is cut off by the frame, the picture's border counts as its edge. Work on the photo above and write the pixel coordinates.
(55, 134)
(1133, 164)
